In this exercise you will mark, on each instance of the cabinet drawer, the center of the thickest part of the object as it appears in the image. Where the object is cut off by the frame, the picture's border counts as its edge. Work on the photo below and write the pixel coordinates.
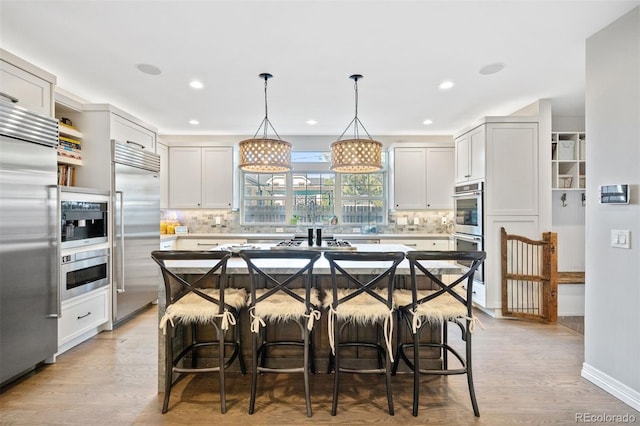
(33, 93)
(479, 296)
(205, 243)
(83, 313)
(167, 245)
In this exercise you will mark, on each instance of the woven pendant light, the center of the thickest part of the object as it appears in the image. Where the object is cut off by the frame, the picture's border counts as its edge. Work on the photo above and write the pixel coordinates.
(356, 155)
(265, 155)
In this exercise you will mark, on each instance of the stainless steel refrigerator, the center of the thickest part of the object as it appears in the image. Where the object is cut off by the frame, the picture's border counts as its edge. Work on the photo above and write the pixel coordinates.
(29, 293)
(136, 228)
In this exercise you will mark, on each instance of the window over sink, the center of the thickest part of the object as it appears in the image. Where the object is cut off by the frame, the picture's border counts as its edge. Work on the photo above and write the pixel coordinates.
(312, 194)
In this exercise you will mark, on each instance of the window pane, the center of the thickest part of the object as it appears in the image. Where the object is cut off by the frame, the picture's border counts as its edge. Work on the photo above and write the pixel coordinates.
(264, 185)
(264, 211)
(313, 197)
(363, 211)
(370, 185)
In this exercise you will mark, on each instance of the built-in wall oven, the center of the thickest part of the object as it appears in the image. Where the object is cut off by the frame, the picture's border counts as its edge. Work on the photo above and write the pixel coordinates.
(468, 209)
(84, 241)
(83, 271)
(468, 242)
(469, 221)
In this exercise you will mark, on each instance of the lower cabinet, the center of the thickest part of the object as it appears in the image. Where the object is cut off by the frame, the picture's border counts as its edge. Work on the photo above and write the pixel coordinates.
(439, 244)
(82, 317)
(167, 245)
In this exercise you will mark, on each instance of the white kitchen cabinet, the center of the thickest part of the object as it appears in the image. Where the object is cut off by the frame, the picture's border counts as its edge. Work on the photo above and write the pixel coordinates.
(469, 156)
(163, 151)
(82, 317)
(25, 84)
(200, 177)
(100, 124)
(423, 178)
(205, 243)
(511, 185)
(126, 131)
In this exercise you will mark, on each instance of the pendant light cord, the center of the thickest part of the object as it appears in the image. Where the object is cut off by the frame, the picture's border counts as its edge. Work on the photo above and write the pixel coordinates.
(265, 122)
(356, 121)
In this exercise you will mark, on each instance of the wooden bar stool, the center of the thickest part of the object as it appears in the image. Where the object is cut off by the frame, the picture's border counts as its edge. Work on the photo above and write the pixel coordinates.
(364, 303)
(448, 303)
(189, 304)
(289, 297)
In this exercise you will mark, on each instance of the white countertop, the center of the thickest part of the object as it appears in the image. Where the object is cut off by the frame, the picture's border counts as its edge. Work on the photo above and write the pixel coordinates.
(290, 235)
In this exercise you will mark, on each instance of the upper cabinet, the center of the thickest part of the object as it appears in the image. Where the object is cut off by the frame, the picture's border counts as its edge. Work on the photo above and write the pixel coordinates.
(568, 155)
(423, 178)
(128, 131)
(100, 124)
(200, 177)
(469, 157)
(25, 84)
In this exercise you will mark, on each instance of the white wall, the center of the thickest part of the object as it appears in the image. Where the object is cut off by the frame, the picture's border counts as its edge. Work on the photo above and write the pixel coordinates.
(612, 290)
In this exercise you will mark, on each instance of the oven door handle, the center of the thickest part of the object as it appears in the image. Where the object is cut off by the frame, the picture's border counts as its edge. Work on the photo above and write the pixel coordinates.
(120, 263)
(467, 194)
(467, 237)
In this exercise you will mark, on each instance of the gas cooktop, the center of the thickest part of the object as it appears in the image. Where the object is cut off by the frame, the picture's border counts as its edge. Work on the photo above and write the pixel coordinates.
(326, 245)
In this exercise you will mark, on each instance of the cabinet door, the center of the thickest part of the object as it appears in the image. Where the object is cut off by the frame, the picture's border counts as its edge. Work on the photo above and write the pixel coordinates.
(439, 181)
(410, 182)
(463, 152)
(163, 152)
(217, 177)
(32, 93)
(512, 169)
(124, 130)
(477, 154)
(185, 177)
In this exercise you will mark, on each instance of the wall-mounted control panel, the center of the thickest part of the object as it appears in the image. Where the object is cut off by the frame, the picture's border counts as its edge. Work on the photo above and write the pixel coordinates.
(614, 194)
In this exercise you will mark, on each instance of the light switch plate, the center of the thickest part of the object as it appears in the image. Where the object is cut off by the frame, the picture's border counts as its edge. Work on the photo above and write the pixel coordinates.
(218, 220)
(416, 221)
(620, 238)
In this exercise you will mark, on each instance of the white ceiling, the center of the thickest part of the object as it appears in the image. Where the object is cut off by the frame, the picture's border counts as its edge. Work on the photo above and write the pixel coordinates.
(404, 49)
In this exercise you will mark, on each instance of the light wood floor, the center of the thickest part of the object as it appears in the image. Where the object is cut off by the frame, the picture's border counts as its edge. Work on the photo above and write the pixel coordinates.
(525, 373)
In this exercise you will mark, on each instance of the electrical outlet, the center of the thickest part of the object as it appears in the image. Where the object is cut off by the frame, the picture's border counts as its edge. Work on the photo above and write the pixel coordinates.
(444, 220)
(416, 221)
(218, 220)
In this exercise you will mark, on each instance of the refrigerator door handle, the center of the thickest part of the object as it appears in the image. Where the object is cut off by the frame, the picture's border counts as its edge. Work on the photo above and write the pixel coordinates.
(120, 288)
(56, 203)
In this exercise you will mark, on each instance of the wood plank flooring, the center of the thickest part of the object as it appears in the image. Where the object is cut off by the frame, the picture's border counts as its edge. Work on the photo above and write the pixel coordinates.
(525, 373)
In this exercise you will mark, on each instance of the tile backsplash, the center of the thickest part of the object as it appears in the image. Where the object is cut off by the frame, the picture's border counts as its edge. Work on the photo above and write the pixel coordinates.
(212, 221)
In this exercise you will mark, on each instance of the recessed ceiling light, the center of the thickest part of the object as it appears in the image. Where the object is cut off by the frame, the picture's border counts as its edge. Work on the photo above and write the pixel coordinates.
(492, 68)
(196, 84)
(194, 122)
(149, 69)
(446, 85)
(311, 122)
(427, 122)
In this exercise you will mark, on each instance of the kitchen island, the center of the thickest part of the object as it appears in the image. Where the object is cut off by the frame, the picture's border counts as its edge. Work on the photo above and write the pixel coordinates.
(238, 277)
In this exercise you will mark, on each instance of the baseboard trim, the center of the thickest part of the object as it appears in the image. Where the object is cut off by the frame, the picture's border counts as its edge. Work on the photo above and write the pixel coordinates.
(607, 383)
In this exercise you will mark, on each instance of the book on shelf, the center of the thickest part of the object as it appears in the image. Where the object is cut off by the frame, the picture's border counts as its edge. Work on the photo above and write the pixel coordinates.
(66, 174)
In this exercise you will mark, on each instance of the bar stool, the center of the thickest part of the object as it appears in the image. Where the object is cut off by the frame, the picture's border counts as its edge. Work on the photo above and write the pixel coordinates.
(447, 303)
(190, 304)
(281, 300)
(354, 301)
